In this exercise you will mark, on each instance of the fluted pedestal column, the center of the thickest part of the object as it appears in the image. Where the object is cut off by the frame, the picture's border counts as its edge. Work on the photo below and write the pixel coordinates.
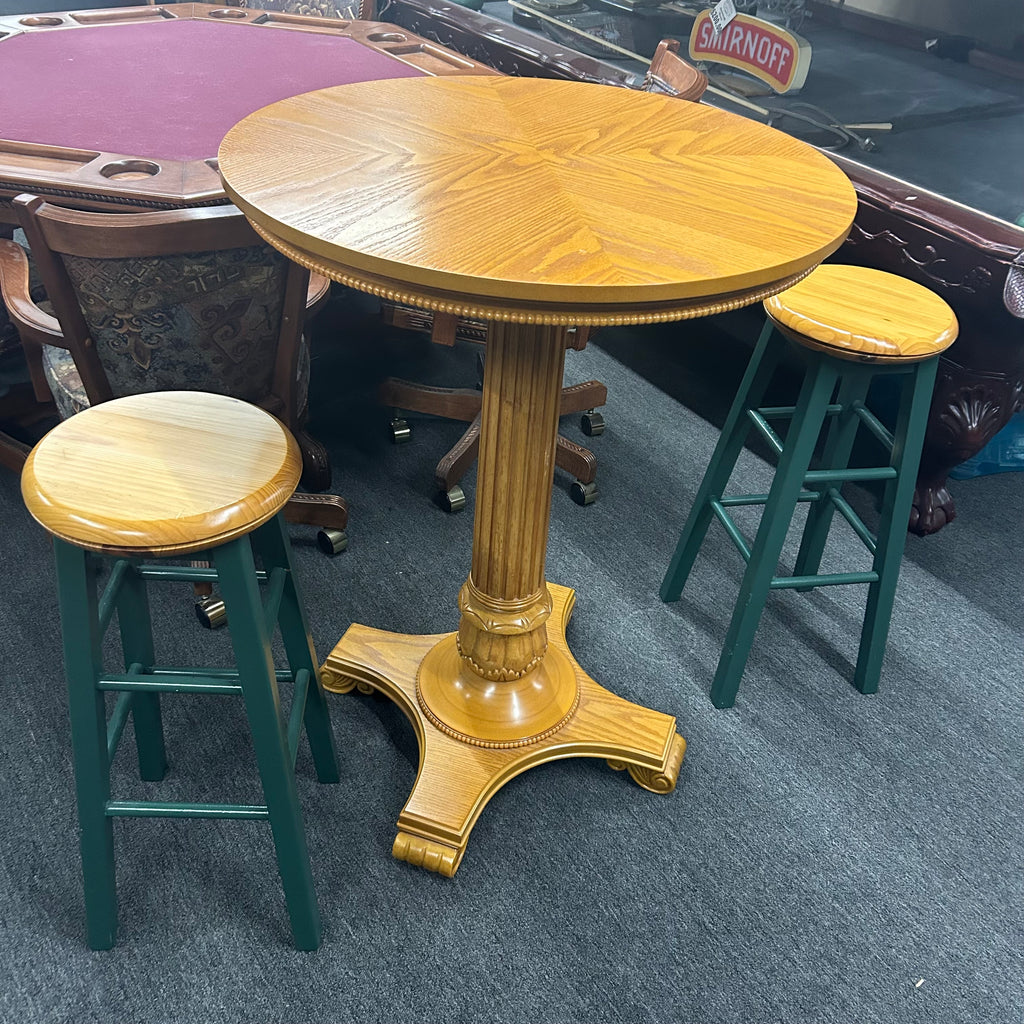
(503, 693)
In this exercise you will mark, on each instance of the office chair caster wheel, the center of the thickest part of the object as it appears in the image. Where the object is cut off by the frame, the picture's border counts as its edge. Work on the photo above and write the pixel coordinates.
(330, 541)
(211, 612)
(592, 424)
(453, 500)
(583, 494)
(400, 431)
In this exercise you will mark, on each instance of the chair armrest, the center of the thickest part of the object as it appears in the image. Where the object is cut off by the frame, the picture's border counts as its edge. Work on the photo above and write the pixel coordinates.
(32, 322)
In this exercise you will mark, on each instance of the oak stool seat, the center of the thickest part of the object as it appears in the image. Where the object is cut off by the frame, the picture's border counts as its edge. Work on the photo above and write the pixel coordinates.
(849, 325)
(127, 485)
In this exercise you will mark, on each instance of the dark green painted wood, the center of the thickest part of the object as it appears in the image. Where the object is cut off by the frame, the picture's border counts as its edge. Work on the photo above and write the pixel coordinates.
(908, 440)
(296, 717)
(755, 381)
(133, 619)
(116, 723)
(154, 683)
(94, 737)
(184, 573)
(251, 643)
(79, 612)
(815, 394)
(108, 599)
(271, 542)
(842, 433)
(178, 809)
(795, 481)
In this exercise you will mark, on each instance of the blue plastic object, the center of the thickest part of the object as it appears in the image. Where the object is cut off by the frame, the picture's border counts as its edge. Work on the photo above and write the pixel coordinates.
(1003, 454)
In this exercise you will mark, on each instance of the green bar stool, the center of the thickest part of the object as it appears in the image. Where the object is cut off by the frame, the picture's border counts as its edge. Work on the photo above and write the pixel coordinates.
(849, 325)
(134, 482)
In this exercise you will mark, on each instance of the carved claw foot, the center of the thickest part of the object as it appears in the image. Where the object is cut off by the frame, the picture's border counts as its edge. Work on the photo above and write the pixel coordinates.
(426, 853)
(661, 782)
(933, 509)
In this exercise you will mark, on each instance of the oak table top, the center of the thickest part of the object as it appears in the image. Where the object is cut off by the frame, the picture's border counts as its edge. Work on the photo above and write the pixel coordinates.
(538, 198)
(535, 204)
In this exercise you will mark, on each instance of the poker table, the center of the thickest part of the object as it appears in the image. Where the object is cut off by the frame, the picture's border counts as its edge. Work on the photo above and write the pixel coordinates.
(125, 107)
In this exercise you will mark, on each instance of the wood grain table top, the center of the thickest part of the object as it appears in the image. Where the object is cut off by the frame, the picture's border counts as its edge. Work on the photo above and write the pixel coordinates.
(522, 199)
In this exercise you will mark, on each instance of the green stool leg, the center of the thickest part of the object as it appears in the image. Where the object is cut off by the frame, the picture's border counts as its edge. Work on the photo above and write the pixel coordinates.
(271, 543)
(136, 629)
(251, 642)
(79, 613)
(760, 371)
(801, 439)
(908, 440)
(853, 388)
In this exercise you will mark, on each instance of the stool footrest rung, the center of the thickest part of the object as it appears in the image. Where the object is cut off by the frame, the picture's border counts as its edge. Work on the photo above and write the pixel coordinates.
(827, 476)
(828, 579)
(185, 573)
(116, 724)
(719, 506)
(759, 421)
(760, 417)
(152, 682)
(108, 601)
(180, 680)
(761, 499)
(731, 528)
(167, 809)
(777, 412)
(874, 424)
(856, 523)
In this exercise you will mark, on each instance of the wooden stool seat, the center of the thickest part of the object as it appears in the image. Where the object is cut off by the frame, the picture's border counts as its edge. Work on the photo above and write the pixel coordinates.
(163, 473)
(854, 326)
(122, 487)
(860, 313)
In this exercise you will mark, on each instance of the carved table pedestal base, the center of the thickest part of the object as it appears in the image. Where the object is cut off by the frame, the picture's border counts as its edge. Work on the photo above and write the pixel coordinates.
(459, 774)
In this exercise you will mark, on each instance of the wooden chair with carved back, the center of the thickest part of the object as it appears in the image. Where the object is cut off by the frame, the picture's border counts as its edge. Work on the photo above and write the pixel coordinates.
(668, 73)
(178, 300)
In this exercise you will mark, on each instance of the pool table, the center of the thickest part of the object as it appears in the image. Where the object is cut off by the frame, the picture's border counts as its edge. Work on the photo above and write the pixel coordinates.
(116, 107)
(973, 259)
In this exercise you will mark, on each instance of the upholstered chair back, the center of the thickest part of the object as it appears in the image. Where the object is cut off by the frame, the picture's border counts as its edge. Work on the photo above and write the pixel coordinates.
(187, 321)
(180, 300)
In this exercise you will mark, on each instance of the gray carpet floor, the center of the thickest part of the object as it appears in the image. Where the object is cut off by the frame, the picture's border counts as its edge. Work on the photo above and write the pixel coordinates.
(826, 856)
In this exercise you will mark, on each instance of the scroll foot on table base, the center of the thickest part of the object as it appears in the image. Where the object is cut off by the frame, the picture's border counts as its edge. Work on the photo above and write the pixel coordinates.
(423, 853)
(662, 782)
(337, 683)
(457, 777)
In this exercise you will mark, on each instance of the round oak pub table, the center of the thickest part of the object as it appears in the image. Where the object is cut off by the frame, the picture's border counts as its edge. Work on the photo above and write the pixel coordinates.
(536, 205)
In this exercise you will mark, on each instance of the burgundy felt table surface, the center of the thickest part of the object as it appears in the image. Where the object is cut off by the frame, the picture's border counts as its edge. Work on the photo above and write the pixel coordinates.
(166, 90)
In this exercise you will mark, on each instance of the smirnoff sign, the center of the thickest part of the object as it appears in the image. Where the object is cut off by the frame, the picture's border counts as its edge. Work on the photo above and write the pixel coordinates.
(766, 51)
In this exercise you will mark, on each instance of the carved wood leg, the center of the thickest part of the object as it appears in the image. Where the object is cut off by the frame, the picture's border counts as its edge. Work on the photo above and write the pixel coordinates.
(326, 510)
(575, 459)
(969, 408)
(503, 693)
(453, 466)
(588, 394)
(316, 463)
